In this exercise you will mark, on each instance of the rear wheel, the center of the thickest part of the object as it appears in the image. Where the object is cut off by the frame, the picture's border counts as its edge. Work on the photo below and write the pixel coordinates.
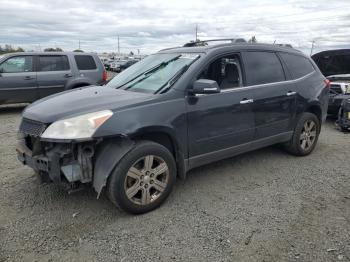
(143, 178)
(305, 135)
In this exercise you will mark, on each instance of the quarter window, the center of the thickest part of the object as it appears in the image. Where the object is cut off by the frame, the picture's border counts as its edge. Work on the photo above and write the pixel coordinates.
(53, 63)
(262, 68)
(85, 62)
(298, 66)
(17, 64)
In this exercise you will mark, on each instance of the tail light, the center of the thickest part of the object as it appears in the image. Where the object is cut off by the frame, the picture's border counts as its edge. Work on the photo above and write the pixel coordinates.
(104, 75)
(328, 83)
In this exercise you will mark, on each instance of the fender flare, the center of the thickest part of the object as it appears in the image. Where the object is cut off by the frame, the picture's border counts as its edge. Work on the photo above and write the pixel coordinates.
(108, 156)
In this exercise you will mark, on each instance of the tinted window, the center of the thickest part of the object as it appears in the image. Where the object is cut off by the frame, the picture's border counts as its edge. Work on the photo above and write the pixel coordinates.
(85, 62)
(53, 63)
(298, 66)
(262, 68)
(17, 64)
(226, 71)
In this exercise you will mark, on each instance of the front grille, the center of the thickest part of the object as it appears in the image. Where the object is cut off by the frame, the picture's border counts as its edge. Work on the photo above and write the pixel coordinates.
(32, 128)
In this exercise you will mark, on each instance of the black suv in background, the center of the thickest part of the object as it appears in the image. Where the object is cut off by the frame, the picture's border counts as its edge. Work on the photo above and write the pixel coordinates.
(26, 77)
(173, 111)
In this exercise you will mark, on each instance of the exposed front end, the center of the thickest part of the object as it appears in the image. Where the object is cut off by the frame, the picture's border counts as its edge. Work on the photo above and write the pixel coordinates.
(66, 163)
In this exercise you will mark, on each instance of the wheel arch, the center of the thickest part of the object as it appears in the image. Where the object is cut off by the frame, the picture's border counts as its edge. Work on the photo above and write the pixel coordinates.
(165, 137)
(315, 109)
(112, 150)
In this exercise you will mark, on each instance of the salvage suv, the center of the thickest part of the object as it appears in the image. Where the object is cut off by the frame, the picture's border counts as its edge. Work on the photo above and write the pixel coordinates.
(173, 111)
(28, 76)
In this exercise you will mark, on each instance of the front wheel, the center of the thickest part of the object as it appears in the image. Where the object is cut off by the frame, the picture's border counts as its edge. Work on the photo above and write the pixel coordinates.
(143, 178)
(305, 135)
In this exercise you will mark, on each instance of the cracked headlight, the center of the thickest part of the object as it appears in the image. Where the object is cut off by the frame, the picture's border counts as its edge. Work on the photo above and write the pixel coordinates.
(79, 127)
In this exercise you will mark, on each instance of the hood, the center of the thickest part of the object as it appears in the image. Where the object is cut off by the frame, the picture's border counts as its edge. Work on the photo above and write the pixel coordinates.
(80, 101)
(333, 62)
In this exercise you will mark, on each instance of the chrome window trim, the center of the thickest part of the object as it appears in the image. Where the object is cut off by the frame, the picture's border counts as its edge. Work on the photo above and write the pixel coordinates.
(262, 85)
(257, 86)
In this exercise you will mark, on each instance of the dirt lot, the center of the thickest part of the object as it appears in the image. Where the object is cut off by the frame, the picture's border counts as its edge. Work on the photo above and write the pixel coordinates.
(261, 206)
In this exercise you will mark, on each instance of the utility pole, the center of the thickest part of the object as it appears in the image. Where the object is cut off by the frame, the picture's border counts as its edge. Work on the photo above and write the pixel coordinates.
(196, 32)
(79, 44)
(312, 47)
(118, 46)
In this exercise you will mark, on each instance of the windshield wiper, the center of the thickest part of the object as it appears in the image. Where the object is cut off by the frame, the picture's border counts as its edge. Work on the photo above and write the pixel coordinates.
(148, 72)
(165, 87)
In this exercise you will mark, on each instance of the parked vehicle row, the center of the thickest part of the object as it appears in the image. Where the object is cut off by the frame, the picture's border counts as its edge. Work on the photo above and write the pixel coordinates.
(120, 65)
(26, 77)
(173, 111)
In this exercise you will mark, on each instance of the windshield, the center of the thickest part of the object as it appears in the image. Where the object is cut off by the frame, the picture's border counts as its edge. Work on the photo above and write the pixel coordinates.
(156, 73)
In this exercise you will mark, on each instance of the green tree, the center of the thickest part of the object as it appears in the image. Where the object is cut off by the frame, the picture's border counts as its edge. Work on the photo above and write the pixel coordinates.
(78, 50)
(253, 39)
(10, 49)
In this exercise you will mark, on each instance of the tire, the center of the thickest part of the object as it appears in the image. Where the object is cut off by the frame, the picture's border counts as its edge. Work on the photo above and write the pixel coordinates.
(136, 186)
(296, 145)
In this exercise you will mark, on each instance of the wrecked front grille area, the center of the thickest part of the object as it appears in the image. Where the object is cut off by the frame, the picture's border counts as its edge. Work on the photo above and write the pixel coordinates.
(62, 162)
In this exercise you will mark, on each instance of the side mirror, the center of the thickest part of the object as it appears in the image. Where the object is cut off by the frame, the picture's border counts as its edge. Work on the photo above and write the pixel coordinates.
(205, 86)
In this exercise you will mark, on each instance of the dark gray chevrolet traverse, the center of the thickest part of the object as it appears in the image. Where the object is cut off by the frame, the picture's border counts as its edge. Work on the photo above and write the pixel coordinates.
(175, 110)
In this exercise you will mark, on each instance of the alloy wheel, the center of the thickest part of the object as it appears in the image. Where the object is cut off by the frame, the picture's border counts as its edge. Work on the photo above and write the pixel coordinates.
(308, 135)
(146, 180)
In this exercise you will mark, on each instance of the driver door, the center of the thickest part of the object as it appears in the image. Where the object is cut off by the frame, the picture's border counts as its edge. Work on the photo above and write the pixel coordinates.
(18, 80)
(221, 124)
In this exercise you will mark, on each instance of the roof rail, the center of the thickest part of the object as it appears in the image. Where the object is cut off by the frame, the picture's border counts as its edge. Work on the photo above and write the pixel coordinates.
(205, 42)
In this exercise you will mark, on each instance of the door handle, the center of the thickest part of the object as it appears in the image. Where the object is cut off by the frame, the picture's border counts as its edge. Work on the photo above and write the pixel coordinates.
(246, 101)
(28, 78)
(68, 75)
(291, 93)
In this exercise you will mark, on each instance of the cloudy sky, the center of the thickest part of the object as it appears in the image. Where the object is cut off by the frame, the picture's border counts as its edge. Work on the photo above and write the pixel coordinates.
(150, 25)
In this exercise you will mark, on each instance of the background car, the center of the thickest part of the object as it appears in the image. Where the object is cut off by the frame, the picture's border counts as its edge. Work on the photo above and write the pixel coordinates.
(26, 77)
(335, 65)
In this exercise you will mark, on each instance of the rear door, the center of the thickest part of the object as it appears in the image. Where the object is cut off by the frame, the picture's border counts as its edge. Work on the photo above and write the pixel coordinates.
(53, 73)
(274, 98)
(18, 80)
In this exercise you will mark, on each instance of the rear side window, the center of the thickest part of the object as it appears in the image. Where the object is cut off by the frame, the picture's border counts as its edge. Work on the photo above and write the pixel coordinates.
(53, 63)
(298, 66)
(85, 62)
(262, 68)
(17, 64)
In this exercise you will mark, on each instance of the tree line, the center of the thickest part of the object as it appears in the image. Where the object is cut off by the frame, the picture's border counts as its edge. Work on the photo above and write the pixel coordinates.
(10, 49)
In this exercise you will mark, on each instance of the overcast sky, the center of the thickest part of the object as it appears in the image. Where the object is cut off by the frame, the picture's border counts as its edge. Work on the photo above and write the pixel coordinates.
(150, 25)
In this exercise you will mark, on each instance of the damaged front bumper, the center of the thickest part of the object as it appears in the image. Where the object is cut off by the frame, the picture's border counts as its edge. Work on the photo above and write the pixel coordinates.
(62, 163)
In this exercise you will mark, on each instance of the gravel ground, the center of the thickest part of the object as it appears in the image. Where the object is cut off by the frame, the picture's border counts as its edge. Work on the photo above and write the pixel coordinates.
(261, 206)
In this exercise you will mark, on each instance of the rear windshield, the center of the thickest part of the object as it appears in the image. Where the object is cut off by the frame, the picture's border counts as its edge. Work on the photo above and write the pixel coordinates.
(85, 62)
(338, 64)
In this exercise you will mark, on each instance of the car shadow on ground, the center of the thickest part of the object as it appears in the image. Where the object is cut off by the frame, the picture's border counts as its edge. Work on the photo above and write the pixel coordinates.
(13, 108)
